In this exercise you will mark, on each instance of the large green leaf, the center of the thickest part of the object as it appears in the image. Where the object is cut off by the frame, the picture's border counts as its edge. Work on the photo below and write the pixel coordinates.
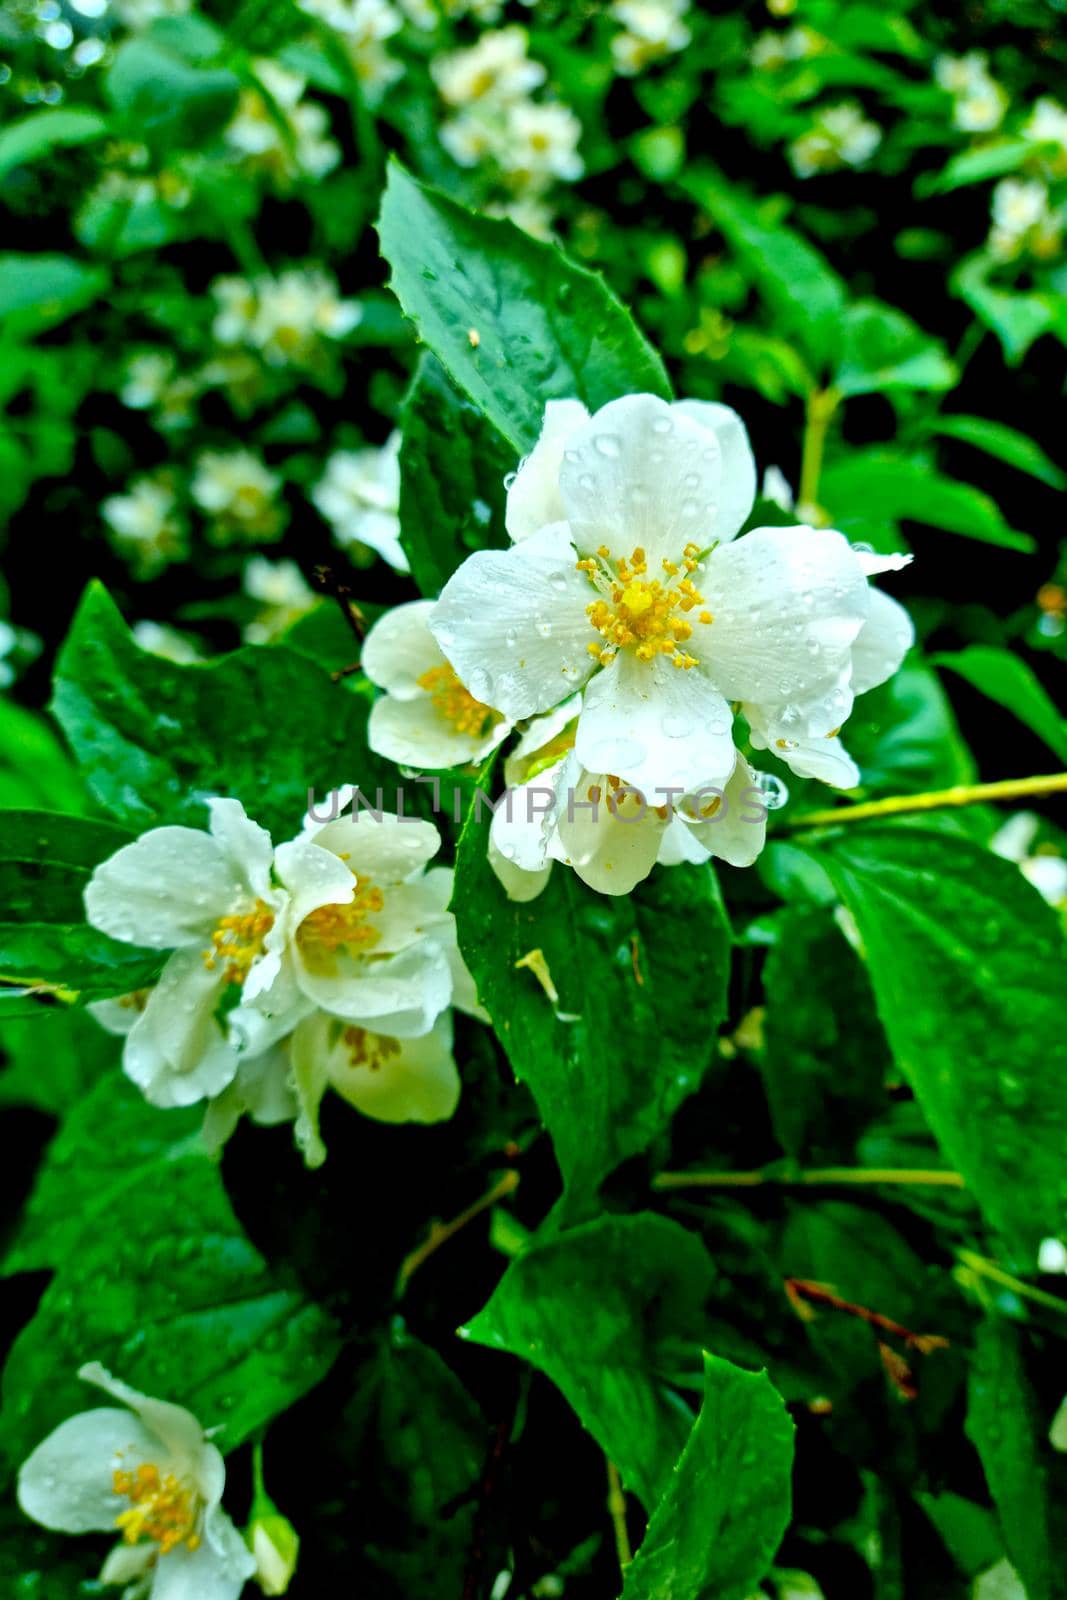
(155, 738)
(1017, 317)
(606, 1310)
(165, 98)
(1006, 444)
(967, 964)
(1011, 683)
(1003, 1424)
(38, 134)
(882, 349)
(511, 319)
(35, 771)
(638, 1008)
(155, 1278)
(878, 483)
(54, 1056)
(45, 862)
(452, 467)
(715, 1532)
(39, 291)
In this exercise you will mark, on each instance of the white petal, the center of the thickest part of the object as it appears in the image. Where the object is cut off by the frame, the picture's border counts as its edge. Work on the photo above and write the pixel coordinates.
(127, 1563)
(415, 1080)
(787, 605)
(415, 733)
(534, 498)
(539, 732)
(244, 843)
(610, 838)
(167, 889)
(402, 995)
(388, 850)
(518, 884)
(116, 1016)
(656, 725)
(822, 756)
(173, 1426)
(882, 642)
(410, 912)
(513, 624)
(203, 1574)
(66, 1484)
(737, 491)
(737, 828)
(313, 877)
(639, 473)
(679, 845)
(872, 563)
(400, 648)
(176, 1053)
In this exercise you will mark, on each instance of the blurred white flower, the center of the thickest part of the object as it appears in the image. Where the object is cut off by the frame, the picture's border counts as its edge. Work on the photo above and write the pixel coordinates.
(777, 488)
(284, 318)
(979, 100)
(283, 594)
(1042, 866)
(800, 43)
(359, 495)
(1047, 126)
(651, 30)
(425, 719)
(160, 639)
(1023, 222)
(240, 495)
(145, 526)
(150, 1471)
(840, 136)
(539, 143)
(277, 131)
(363, 27)
(497, 68)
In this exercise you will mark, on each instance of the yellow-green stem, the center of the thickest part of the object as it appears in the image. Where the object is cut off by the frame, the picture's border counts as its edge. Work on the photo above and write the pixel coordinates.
(822, 403)
(935, 1177)
(617, 1508)
(974, 794)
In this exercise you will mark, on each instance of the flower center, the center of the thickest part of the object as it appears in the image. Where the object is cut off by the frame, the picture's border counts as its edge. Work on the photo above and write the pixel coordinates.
(456, 704)
(161, 1508)
(343, 927)
(370, 1050)
(237, 941)
(650, 614)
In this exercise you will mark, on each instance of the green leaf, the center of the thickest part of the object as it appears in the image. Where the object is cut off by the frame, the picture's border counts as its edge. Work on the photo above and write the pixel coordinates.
(603, 1310)
(967, 964)
(452, 467)
(716, 1531)
(882, 349)
(37, 135)
(1002, 677)
(1016, 317)
(981, 163)
(35, 771)
(904, 736)
(512, 320)
(634, 1026)
(881, 484)
(824, 1060)
(54, 1056)
(1005, 443)
(155, 1278)
(155, 738)
(45, 863)
(1003, 1424)
(165, 98)
(801, 289)
(39, 291)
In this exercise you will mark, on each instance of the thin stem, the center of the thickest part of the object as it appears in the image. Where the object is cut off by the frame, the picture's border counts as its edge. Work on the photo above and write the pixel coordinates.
(617, 1508)
(973, 794)
(441, 1232)
(821, 405)
(915, 1177)
(984, 1268)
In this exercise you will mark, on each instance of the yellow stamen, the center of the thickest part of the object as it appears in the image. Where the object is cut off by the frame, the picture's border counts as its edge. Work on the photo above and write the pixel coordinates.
(342, 927)
(456, 704)
(643, 612)
(161, 1508)
(369, 1049)
(237, 941)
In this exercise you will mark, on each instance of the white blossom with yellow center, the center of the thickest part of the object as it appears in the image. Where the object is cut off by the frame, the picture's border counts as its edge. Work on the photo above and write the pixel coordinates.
(286, 319)
(651, 30)
(359, 495)
(210, 900)
(425, 719)
(279, 132)
(240, 495)
(624, 579)
(148, 1470)
(363, 28)
(840, 136)
(145, 526)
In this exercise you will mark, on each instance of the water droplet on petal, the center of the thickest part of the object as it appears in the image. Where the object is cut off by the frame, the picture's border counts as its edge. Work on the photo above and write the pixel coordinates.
(775, 793)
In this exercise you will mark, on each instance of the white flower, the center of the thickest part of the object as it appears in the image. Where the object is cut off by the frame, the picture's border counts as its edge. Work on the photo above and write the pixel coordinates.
(240, 494)
(1046, 870)
(208, 898)
(777, 488)
(426, 718)
(613, 835)
(160, 639)
(145, 527)
(149, 1470)
(303, 148)
(773, 50)
(841, 136)
(363, 26)
(623, 579)
(283, 595)
(359, 495)
(364, 932)
(1023, 220)
(1047, 126)
(497, 68)
(540, 142)
(979, 100)
(652, 29)
(284, 318)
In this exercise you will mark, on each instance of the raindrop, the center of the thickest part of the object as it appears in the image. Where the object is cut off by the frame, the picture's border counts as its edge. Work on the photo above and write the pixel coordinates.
(509, 479)
(558, 582)
(675, 725)
(775, 793)
(607, 444)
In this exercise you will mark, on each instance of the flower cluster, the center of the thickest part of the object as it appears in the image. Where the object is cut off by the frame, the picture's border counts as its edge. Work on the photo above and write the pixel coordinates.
(359, 496)
(287, 320)
(650, 30)
(329, 961)
(622, 630)
(526, 145)
(276, 132)
(363, 29)
(979, 102)
(840, 136)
